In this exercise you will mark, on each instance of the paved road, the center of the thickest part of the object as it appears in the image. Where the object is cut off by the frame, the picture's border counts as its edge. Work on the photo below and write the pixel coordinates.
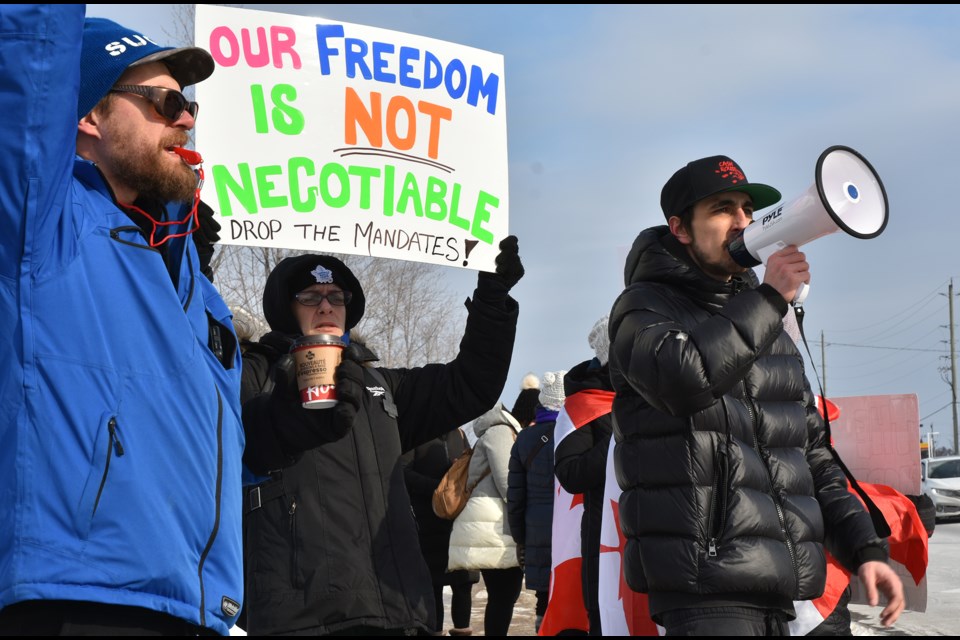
(943, 593)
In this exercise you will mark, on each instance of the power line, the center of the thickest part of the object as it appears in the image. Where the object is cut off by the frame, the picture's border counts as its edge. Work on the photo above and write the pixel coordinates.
(909, 309)
(872, 346)
(935, 412)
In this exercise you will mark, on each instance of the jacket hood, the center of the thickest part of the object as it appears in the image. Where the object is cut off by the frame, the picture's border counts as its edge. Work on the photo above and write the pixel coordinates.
(589, 374)
(294, 274)
(657, 256)
(496, 415)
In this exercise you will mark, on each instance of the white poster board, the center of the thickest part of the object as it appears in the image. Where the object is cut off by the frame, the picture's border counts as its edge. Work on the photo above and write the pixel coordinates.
(341, 138)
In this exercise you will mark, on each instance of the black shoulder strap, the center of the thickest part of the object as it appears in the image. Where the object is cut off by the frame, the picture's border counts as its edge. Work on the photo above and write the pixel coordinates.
(879, 522)
(388, 404)
(544, 439)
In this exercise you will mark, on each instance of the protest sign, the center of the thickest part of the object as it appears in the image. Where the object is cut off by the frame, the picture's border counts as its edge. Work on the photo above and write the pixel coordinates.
(878, 439)
(335, 137)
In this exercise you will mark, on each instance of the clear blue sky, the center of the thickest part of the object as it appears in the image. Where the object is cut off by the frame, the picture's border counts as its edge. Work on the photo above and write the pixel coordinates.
(604, 102)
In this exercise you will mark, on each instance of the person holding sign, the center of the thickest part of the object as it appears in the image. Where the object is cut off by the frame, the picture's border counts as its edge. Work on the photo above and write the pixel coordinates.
(121, 439)
(730, 492)
(331, 546)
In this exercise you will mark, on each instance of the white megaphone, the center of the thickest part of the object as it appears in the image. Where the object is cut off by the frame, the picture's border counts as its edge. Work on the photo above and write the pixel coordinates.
(846, 194)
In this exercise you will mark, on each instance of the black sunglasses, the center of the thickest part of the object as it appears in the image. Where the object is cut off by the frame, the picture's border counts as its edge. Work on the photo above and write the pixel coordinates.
(313, 299)
(169, 103)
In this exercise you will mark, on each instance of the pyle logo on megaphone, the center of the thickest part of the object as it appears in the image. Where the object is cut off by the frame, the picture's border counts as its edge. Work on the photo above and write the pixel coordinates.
(771, 218)
(846, 195)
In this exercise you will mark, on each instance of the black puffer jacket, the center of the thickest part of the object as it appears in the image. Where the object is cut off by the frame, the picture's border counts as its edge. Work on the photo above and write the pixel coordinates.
(333, 543)
(729, 491)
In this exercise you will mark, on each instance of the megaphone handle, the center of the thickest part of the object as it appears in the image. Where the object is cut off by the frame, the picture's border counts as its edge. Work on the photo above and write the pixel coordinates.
(801, 295)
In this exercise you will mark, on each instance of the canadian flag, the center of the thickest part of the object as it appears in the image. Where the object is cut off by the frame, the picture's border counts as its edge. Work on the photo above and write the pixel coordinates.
(908, 556)
(623, 612)
(565, 607)
(908, 552)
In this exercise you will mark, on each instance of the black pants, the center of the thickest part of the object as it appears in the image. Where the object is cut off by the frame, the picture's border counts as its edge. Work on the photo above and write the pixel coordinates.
(594, 617)
(461, 604)
(838, 622)
(77, 618)
(503, 589)
(725, 621)
(543, 598)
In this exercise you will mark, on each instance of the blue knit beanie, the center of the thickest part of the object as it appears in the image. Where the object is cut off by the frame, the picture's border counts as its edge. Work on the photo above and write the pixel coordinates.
(109, 49)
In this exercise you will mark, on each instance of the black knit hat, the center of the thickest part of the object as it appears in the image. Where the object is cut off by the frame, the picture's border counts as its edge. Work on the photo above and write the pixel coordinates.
(296, 273)
(709, 176)
(525, 406)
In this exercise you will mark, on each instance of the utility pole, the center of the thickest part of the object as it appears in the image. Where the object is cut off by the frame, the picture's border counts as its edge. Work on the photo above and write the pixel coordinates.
(931, 447)
(953, 371)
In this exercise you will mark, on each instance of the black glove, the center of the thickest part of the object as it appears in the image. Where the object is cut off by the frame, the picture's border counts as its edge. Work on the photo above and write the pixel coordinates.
(509, 269)
(521, 554)
(284, 372)
(205, 237)
(299, 429)
(350, 387)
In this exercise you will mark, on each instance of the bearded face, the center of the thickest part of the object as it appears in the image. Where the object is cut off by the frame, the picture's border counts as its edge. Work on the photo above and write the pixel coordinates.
(714, 259)
(144, 163)
(715, 222)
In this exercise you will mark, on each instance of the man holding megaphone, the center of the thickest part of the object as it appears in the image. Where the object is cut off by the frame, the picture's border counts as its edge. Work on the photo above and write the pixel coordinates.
(730, 493)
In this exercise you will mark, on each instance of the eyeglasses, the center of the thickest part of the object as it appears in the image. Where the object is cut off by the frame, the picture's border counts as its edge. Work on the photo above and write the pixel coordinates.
(313, 299)
(169, 103)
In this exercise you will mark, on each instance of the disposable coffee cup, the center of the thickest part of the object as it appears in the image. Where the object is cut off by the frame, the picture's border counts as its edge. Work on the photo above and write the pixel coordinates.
(316, 358)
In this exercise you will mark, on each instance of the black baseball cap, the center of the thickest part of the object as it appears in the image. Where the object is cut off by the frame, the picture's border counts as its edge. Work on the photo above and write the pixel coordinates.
(709, 176)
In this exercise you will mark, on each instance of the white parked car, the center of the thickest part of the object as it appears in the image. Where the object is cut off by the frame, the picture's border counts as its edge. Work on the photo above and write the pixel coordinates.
(940, 479)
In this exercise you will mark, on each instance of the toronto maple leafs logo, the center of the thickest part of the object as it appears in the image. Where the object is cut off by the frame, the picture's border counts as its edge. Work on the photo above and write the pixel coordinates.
(322, 275)
(376, 391)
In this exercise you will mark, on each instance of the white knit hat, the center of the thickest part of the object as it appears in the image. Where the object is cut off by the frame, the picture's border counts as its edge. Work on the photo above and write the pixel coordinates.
(599, 339)
(530, 381)
(552, 394)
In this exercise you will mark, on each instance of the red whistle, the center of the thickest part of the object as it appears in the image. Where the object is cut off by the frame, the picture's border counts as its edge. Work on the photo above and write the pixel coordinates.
(190, 157)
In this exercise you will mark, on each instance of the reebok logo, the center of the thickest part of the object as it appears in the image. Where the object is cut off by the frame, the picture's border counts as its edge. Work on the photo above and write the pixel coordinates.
(229, 607)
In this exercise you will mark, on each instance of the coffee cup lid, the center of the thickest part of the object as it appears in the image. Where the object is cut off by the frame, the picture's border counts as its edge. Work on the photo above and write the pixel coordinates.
(319, 339)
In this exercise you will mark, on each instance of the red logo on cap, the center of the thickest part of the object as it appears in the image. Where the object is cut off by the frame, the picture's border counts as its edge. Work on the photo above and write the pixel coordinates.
(729, 170)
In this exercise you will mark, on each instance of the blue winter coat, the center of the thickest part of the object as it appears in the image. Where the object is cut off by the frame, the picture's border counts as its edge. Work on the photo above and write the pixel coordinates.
(120, 434)
(530, 493)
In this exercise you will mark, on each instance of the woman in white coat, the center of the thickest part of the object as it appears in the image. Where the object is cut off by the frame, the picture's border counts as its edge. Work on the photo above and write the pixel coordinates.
(481, 536)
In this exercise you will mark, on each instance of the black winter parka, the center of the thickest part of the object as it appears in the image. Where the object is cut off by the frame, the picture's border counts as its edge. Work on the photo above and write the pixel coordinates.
(729, 492)
(530, 492)
(333, 544)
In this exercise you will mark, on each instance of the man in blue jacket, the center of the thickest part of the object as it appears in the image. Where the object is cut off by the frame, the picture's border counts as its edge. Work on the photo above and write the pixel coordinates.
(120, 437)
